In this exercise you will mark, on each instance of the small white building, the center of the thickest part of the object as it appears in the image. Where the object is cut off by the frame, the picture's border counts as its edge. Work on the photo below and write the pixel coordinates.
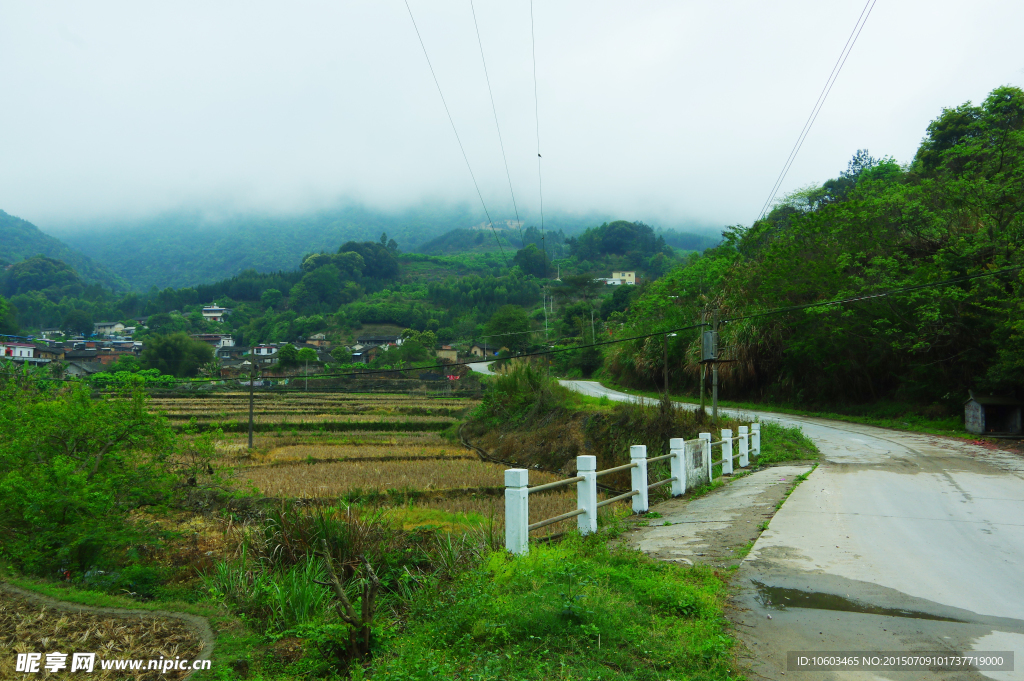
(214, 313)
(107, 328)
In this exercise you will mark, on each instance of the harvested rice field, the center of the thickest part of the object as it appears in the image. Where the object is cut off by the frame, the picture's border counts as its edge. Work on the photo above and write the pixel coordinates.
(27, 626)
(401, 460)
(338, 479)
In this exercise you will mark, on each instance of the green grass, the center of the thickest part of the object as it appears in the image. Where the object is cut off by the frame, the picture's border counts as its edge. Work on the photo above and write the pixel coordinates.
(784, 443)
(894, 415)
(576, 610)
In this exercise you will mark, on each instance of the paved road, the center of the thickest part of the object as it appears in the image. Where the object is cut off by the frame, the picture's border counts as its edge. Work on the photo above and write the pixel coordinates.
(893, 535)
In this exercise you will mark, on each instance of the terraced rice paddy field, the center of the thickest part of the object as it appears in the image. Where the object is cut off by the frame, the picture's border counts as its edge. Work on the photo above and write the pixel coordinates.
(395, 450)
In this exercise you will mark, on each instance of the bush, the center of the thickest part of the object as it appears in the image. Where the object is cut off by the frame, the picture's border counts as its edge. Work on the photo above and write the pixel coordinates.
(519, 392)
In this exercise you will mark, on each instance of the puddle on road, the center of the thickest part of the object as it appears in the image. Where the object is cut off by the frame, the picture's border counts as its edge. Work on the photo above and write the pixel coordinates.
(780, 598)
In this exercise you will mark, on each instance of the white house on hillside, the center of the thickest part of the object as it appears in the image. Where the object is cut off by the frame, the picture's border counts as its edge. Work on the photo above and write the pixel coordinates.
(215, 314)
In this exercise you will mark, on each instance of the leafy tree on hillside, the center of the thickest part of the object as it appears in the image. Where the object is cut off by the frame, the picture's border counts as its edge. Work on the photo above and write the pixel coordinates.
(618, 238)
(8, 317)
(77, 321)
(271, 298)
(176, 354)
(532, 260)
(288, 356)
(507, 327)
(379, 262)
(40, 274)
(306, 355)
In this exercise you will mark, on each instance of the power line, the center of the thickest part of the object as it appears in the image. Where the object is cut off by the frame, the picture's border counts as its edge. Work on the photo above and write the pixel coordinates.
(816, 109)
(881, 294)
(780, 310)
(536, 115)
(494, 108)
(455, 130)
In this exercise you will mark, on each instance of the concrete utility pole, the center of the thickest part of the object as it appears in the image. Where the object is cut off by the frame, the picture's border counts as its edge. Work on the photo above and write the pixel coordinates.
(714, 375)
(252, 381)
(593, 336)
(665, 361)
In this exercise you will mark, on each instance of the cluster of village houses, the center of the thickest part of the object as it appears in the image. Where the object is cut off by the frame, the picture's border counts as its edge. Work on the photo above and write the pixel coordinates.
(113, 340)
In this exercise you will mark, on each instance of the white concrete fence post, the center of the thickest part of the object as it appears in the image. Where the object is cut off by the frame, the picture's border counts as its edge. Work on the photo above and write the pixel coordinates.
(707, 454)
(586, 493)
(744, 447)
(755, 439)
(677, 447)
(638, 455)
(726, 451)
(517, 511)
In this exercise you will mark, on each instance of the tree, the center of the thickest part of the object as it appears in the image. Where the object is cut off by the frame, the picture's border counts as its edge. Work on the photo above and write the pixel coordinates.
(532, 260)
(307, 355)
(177, 354)
(379, 262)
(271, 298)
(508, 327)
(8, 318)
(287, 356)
(77, 321)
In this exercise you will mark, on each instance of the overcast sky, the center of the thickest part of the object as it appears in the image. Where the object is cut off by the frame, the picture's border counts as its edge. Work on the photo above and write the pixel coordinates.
(672, 112)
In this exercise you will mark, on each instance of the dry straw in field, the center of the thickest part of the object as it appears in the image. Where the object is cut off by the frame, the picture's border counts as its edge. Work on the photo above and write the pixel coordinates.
(26, 627)
(335, 479)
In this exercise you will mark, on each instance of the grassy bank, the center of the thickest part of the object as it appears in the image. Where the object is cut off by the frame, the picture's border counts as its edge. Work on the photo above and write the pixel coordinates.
(897, 416)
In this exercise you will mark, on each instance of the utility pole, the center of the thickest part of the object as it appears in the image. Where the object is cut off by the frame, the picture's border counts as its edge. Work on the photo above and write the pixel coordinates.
(714, 375)
(306, 389)
(593, 336)
(545, 317)
(703, 379)
(252, 381)
(665, 361)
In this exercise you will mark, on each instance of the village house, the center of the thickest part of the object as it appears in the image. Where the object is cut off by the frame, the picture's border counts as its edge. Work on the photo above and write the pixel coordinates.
(482, 350)
(380, 341)
(213, 313)
(107, 328)
(216, 340)
(448, 353)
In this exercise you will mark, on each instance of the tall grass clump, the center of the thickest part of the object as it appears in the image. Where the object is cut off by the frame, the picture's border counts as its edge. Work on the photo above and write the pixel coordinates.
(520, 392)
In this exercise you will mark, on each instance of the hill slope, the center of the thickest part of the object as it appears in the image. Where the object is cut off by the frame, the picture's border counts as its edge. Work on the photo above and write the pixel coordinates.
(185, 249)
(20, 239)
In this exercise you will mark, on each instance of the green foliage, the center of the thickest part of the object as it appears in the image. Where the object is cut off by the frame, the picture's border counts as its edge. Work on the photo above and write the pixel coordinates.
(176, 354)
(287, 356)
(379, 262)
(40, 273)
(509, 327)
(23, 240)
(8, 317)
(77, 322)
(121, 378)
(784, 443)
(307, 355)
(573, 606)
(957, 210)
(633, 239)
(532, 260)
(520, 393)
(72, 469)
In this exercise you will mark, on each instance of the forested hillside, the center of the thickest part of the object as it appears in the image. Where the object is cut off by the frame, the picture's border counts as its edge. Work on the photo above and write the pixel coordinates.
(20, 239)
(956, 210)
(183, 250)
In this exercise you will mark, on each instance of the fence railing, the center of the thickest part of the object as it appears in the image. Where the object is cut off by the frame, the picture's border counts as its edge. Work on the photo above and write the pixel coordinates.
(685, 472)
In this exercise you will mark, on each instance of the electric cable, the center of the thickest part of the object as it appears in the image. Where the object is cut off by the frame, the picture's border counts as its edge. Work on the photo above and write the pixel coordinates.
(494, 108)
(536, 115)
(816, 109)
(455, 130)
(774, 311)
